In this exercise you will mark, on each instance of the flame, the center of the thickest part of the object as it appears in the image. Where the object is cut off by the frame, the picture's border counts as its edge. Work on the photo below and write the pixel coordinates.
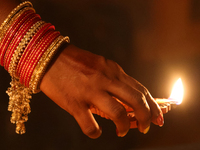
(177, 92)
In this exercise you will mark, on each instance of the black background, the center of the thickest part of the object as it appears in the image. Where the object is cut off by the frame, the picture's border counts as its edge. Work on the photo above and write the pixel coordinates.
(124, 32)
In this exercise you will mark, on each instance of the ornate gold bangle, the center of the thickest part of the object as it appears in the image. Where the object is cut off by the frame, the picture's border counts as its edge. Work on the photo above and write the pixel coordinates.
(5, 25)
(20, 48)
(44, 61)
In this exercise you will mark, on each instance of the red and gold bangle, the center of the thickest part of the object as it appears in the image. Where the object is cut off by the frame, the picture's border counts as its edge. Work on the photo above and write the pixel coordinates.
(9, 37)
(4, 26)
(8, 27)
(33, 55)
(35, 60)
(37, 68)
(44, 62)
(20, 48)
(11, 32)
(29, 47)
(30, 50)
(16, 40)
(39, 51)
(16, 44)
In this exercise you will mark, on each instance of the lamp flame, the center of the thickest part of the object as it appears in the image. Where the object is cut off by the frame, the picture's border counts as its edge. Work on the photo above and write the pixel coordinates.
(177, 92)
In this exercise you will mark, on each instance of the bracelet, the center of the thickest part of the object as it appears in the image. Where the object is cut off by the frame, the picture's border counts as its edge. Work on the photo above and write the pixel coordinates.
(20, 48)
(34, 60)
(10, 33)
(18, 37)
(30, 51)
(43, 63)
(27, 46)
(30, 45)
(3, 27)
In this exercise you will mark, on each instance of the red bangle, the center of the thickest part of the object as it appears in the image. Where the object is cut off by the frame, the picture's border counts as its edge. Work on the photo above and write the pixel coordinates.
(11, 32)
(28, 48)
(43, 47)
(18, 37)
(21, 47)
(32, 54)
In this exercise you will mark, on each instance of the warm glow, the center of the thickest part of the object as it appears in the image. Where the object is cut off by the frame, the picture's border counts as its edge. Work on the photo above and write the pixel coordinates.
(177, 92)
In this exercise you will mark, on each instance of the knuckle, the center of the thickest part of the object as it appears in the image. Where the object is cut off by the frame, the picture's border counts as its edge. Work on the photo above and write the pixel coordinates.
(112, 81)
(115, 66)
(143, 90)
(140, 99)
(118, 112)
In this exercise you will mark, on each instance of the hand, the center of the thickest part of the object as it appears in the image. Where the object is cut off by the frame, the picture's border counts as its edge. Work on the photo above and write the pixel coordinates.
(78, 80)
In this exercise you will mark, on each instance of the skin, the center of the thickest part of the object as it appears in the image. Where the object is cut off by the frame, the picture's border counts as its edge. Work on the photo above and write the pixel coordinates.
(83, 79)
(77, 79)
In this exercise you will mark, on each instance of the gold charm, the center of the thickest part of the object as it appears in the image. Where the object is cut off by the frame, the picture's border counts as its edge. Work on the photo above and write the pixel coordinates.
(19, 98)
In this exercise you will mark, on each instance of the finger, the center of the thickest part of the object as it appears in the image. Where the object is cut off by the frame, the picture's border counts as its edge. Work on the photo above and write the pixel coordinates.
(114, 110)
(86, 121)
(156, 112)
(135, 99)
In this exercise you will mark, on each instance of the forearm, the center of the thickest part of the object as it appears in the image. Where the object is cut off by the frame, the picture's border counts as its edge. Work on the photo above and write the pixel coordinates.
(6, 6)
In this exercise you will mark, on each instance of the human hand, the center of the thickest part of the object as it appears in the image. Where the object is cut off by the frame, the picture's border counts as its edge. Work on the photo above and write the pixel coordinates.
(78, 80)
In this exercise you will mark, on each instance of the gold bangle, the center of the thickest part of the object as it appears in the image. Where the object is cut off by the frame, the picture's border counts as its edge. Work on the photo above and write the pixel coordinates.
(32, 84)
(11, 21)
(12, 14)
(20, 48)
(44, 61)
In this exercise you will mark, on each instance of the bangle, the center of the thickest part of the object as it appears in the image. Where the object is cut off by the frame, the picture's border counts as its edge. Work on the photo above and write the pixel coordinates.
(18, 37)
(20, 48)
(12, 30)
(31, 47)
(44, 46)
(27, 46)
(12, 14)
(43, 63)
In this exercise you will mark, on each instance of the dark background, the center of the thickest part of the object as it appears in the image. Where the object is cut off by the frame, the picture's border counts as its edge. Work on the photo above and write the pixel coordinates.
(155, 41)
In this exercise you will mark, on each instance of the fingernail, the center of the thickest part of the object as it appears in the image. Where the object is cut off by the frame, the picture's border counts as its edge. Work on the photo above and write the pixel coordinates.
(146, 130)
(160, 120)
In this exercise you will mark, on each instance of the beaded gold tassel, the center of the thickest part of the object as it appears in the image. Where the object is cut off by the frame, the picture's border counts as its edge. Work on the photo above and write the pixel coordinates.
(19, 99)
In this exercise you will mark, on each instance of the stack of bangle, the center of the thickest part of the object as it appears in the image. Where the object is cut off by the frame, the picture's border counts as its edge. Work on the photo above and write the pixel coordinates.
(27, 45)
